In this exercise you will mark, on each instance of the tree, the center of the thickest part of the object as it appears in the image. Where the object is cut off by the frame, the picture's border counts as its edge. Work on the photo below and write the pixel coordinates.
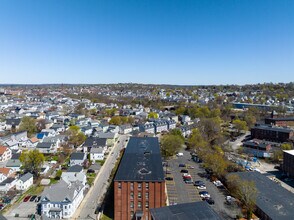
(75, 136)
(250, 120)
(32, 161)
(115, 120)
(28, 124)
(240, 125)
(216, 163)
(244, 190)
(41, 124)
(286, 146)
(196, 141)
(210, 129)
(153, 115)
(170, 145)
(177, 132)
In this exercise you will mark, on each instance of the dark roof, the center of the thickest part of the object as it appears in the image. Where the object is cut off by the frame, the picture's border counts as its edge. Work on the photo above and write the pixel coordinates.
(44, 145)
(141, 161)
(194, 210)
(75, 169)
(77, 156)
(26, 177)
(281, 119)
(95, 142)
(274, 200)
(7, 181)
(273, 128)
(15, 156)
(13, 121)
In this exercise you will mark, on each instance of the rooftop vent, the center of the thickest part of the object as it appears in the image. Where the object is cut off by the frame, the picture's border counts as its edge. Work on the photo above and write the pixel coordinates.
(144, 171)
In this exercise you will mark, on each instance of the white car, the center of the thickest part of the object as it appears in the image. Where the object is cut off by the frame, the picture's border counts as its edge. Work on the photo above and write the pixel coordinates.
(204, 195)
(186, 175)
(201, 187)
(217, 183)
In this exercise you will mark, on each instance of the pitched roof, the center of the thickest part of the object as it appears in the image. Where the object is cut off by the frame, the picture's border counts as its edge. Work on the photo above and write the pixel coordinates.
(97, 150)
(4, 170)
(77, 156)
(61, 191)
(44, 145)
(3, 149)
(26, 177)
(75, 168)
(95, 142)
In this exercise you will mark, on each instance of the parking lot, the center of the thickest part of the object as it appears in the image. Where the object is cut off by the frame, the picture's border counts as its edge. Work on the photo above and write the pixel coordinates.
(180, 192)
(23, 210)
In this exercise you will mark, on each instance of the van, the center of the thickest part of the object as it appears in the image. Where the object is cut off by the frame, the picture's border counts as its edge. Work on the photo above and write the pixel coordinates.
(180, 154)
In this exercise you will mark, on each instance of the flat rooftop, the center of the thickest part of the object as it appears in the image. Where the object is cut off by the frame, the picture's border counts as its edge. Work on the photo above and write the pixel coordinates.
(194, 210)
(141, 161)
(273, 128)
(272, 199)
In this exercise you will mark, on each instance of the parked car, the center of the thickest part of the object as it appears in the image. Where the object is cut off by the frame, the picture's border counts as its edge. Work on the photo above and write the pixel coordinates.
(1, 206)
(201, 187)
(182, 165)
(188, 181)
(169, 178)
(198, 183)
(190, 167)
(204, 194)
(184, 171)
(180, 154)
(33, 198)
(38, 199)
(26, 198)
(217, 183)
(209, 200)
(98, 209)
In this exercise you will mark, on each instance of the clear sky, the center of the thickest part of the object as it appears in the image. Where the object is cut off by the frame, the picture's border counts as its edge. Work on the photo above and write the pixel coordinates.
(156, 41)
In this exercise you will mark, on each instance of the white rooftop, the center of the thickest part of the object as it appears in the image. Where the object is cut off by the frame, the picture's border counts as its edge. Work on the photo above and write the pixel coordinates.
(289, 152)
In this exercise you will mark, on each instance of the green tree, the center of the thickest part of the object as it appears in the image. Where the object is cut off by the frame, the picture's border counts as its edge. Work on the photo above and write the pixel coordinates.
(210, 129)
(170, 145)
(216, 163)
(240, 125)
(286, 146)
(32, 161)
(75, 136)
(153, 115)
(28, 124)
(196, 141)
(250, 120)
(116, 120)
(177, 132)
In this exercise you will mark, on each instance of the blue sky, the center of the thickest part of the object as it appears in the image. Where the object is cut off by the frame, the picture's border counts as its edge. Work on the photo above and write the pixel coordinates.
(161, 41)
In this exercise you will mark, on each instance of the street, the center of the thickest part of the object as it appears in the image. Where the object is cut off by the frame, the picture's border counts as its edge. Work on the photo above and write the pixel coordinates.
(95, 195)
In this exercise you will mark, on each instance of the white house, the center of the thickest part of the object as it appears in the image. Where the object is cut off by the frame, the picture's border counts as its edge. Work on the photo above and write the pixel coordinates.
(73, 174)
(25, 182)
(97, 153)
(62, 199)
(77, 158)
(7, 184)
(5, 154)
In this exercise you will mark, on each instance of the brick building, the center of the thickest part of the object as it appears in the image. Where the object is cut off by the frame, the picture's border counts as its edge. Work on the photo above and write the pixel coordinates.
(288, 162)
(139, 182)
(272, 133)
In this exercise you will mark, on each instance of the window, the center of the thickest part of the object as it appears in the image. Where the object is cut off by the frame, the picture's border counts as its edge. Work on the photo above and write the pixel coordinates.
(132, 186)
(119, 185)
(147, 205)
(147, 185)
(132, 205)
(147, 195)
(139, 185)
(132, 195)
(132, 214)
(139, 195)
(139, 205)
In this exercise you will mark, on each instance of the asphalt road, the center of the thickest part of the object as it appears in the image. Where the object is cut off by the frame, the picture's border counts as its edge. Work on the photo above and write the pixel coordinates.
(180, 192)
(96, 193)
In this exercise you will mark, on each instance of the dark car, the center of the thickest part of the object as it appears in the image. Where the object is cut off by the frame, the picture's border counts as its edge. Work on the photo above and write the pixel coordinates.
(184, 171)
(203, 192)
(182, 165)
(98, 209)
(188, 181)
(210, 201)
(27, 198)
(168, 172)
(199, 183)
(38, 199)
(33, 198)
(169, 178)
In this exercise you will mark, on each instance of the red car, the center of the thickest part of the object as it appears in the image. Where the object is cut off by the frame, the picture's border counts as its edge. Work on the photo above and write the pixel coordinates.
(26, 198)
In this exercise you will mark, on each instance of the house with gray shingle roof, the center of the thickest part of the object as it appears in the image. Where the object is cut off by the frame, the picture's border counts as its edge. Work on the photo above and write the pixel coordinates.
(62, 199)
(25, 181)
